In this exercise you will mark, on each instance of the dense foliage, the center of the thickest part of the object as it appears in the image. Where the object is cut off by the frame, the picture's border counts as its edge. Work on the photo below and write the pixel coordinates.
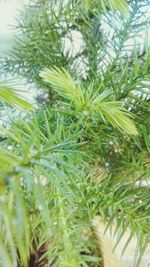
(85, 151)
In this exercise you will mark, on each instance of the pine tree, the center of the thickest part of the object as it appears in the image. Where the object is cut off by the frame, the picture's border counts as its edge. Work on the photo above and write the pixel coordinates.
(85, 152)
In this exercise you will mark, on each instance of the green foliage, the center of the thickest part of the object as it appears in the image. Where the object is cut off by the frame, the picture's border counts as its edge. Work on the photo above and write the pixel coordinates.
(88, 101)
(10, 96)
(42, 30)
(49, 197)
(119, 5)
(79, 156)
(41, 183)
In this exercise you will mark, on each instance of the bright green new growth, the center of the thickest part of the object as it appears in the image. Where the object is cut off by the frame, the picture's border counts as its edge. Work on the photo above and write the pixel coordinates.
(88, 101)
(8, 95)
(120, 5)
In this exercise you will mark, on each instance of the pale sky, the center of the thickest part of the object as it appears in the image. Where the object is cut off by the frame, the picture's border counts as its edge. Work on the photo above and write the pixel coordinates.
(8, 11)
